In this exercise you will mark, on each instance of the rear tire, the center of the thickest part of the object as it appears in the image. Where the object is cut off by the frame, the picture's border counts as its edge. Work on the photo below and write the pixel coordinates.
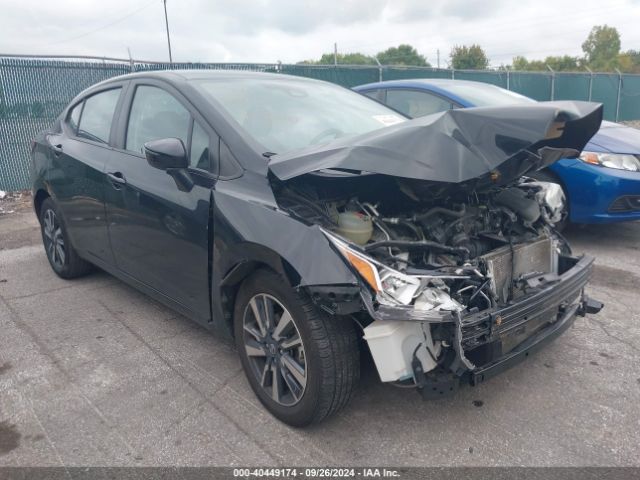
(62, 257)
(545, 176)
(279, 331)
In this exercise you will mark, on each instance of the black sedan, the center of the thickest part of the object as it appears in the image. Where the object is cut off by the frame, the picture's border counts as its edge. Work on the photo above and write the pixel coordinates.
(299, 218)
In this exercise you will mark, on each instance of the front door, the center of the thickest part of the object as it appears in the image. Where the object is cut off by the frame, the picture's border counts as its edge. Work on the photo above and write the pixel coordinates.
(158, 227)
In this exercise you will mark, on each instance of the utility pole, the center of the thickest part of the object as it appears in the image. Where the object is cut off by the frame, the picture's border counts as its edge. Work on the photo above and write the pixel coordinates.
(335, 53)
(438, 59)
(166, 21)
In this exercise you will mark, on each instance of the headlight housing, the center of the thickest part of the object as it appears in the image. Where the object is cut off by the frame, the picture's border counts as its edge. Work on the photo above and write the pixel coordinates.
(618, 161)
(389, 284)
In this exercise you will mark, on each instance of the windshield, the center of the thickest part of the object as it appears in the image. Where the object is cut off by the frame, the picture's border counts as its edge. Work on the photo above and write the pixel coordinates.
(288, 114)
(485, 95)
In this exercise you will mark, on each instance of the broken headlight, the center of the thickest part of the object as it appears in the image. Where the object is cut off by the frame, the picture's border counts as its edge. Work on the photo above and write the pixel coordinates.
(391, 286)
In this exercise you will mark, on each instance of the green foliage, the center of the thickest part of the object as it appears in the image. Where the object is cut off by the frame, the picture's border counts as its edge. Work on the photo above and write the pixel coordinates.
(601, 48)
(629, 61)
(565, 63)
(402, 55)
(355, 58)
(468, 58)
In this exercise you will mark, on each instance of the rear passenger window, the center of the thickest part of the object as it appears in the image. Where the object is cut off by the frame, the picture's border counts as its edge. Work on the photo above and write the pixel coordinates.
(74, 117)
(416, 104)
(155, 114)
(97, 115)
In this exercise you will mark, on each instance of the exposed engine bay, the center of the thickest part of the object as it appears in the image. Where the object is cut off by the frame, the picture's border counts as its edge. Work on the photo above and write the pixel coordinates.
(469, 252)
(437, 255)
(459, 269)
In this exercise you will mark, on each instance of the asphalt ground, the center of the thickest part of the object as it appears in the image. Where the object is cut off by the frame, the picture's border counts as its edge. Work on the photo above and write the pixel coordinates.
(93, 373)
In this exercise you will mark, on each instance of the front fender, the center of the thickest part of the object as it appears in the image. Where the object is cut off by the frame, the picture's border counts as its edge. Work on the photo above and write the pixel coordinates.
(248, 231)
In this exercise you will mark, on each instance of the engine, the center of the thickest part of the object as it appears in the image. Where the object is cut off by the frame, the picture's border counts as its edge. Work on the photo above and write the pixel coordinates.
(468, 252)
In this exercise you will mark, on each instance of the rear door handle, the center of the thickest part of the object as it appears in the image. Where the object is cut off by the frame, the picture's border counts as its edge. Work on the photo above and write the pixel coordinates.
(117, 179)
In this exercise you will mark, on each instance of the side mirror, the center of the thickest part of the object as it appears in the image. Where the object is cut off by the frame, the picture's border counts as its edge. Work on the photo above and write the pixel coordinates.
(166, 153)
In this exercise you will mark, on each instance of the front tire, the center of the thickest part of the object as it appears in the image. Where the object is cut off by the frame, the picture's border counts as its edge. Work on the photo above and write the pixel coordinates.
(62, 257)
(302, 363)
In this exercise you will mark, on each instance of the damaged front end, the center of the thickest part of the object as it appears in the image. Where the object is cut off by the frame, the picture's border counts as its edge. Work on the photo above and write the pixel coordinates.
(462, 273)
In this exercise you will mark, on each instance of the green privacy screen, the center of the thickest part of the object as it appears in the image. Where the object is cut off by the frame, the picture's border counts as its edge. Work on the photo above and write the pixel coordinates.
(33, 92)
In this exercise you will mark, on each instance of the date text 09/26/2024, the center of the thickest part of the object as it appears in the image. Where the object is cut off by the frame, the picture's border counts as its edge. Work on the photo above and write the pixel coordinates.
(366, 472)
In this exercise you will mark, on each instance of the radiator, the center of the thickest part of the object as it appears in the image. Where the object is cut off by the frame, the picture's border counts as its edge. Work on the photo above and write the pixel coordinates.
(536, 256)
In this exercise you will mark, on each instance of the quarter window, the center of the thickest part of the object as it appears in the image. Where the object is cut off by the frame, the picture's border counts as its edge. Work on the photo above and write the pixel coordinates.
(416, 104)
(155, 114)
(97, 115)
(375, 94)
(199, 157)
(74, 117)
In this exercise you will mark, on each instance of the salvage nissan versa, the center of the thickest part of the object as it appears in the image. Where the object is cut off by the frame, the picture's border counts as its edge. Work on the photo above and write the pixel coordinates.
(299, 217)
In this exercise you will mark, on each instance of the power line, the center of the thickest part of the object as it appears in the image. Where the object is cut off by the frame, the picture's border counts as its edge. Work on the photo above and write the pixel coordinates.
(114, 22)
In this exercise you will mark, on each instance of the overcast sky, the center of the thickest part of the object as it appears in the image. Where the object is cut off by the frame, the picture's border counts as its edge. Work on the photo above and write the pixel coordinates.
(293, 30)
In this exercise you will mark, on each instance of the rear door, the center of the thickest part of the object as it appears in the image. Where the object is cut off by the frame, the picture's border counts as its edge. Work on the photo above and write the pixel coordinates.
(76, 178)
(159, 228)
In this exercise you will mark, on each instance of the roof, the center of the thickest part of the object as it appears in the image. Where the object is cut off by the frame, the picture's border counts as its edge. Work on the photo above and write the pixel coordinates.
(179, 76)
(436, 82)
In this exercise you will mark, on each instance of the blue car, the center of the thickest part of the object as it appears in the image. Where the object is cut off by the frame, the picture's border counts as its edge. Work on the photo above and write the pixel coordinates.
(601, 186)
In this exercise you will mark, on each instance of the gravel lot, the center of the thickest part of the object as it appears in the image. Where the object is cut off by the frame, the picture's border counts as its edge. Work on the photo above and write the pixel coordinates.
(93, 373)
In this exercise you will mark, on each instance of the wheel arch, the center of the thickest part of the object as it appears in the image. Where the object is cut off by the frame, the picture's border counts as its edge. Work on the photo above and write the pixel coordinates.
(38, 199)
(259, 257)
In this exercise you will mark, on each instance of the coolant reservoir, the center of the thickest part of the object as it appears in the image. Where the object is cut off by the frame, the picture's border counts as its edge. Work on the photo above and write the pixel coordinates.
(355, 226)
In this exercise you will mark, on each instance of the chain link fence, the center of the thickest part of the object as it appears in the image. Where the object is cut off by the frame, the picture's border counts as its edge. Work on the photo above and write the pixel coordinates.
(33, 91)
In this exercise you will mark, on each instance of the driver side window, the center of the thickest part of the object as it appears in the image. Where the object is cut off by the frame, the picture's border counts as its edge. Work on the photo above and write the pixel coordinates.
(155, 114)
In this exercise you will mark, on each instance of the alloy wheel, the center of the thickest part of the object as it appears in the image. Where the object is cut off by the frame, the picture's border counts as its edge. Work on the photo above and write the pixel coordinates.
(274, 349)
(53, 239)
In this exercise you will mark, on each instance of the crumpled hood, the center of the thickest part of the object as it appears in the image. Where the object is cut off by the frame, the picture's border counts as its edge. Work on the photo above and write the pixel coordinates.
(457, 145)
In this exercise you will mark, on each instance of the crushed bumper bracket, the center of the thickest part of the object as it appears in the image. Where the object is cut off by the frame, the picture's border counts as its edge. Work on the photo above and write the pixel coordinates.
(589, 305)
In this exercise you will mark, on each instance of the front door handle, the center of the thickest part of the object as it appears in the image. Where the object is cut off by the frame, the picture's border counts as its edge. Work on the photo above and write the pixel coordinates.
(117, 179)
(57, 149)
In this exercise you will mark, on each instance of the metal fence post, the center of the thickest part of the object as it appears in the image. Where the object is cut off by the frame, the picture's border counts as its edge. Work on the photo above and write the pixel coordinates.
(553, 83)
(590, 81)
(508, 80)
(619, 92)
(379, 68)
(453, 74)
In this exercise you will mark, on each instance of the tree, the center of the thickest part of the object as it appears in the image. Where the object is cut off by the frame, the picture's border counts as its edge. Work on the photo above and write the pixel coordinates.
(355, 58)
(601, 48)
(348, 59)
(402, 55)
(468, 58)
(565, 63)
(629, 61)
(559, 64)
